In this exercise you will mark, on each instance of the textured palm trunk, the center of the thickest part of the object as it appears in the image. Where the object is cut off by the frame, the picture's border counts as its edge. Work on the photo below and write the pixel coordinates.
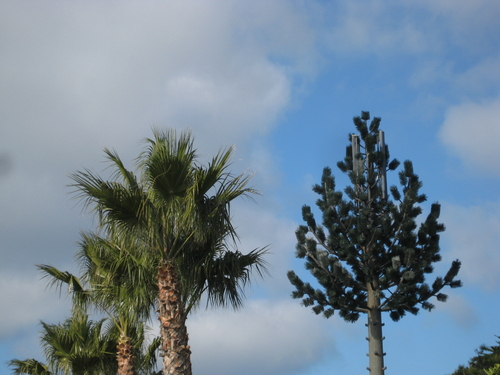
(176, 351)
(125, 356)
(375, 339)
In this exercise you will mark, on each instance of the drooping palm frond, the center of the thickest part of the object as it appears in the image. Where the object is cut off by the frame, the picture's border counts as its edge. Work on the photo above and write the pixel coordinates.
(76, 288)
(149, 357)
(121, 173)
(212, 191)
(223, 277)
(29, 367)
(120, 202)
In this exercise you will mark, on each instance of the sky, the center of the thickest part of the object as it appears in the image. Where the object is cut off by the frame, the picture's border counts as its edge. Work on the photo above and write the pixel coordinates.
(281, 81)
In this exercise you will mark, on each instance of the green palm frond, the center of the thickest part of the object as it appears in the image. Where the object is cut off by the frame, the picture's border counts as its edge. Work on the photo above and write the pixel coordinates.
(210, 176)
(150, 356)
(222, 277)
(227, 276)
(28, 367)
(79, 346)
(121, 272)
(58, 279)
(166, 164)
(116, 204)
(121, 172)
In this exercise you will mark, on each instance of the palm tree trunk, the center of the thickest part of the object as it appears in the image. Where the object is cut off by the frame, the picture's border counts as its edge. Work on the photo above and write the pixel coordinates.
(125, 356)
(176, 351)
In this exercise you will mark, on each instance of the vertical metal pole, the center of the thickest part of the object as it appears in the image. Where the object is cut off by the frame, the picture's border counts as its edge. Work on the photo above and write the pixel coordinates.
(383, 171)
(357, 164)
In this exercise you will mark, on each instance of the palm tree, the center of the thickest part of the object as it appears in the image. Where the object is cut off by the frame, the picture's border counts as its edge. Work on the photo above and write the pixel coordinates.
(118, 280)
(78, 346)
(182, 209)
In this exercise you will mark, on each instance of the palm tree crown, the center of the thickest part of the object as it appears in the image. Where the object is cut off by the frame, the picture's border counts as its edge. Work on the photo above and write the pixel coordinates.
(78, 346)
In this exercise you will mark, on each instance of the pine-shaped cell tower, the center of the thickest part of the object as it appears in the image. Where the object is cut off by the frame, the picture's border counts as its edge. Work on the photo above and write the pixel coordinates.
(369, 256)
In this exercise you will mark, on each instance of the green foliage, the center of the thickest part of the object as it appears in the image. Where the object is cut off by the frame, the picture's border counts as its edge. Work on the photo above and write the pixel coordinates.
(369, 241)
(487, 361)
(180, 210)
(495, 370)
(29, 367)
(78, 346)
(173, 209)
(119, 280)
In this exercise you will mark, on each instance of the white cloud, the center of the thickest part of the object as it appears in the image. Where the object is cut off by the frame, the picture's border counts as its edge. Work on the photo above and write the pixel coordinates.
(75, 77)
(473, 236)
(38, 224)
(242, 103)
(26, 301)
(257, 227)
(278, 337)
(412, 27)
(471, 131)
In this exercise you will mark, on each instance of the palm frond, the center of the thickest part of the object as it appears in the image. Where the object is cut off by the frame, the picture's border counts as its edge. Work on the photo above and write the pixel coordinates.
(121, 272)
(78, 346)
(28, 367)
(149, 357)
(210, 176)
(121, 172)
(76, 289)
(166, 164)
(223, 277)
(116, 204)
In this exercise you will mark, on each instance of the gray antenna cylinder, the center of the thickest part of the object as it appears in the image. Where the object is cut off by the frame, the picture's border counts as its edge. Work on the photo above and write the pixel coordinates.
(383, 168)
(357, 163)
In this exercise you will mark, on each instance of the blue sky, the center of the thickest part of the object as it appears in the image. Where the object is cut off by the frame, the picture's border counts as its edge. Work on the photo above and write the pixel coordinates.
(280, 80)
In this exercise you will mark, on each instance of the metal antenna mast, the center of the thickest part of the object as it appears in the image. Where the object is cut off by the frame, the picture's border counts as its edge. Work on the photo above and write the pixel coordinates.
(383, 168)
(357, 163)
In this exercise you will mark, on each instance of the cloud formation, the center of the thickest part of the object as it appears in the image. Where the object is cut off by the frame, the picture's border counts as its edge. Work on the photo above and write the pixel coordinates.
(203, 65)
(76, 78)
(471, 130)
(31, 302)
(473, 235)
(279, 337)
